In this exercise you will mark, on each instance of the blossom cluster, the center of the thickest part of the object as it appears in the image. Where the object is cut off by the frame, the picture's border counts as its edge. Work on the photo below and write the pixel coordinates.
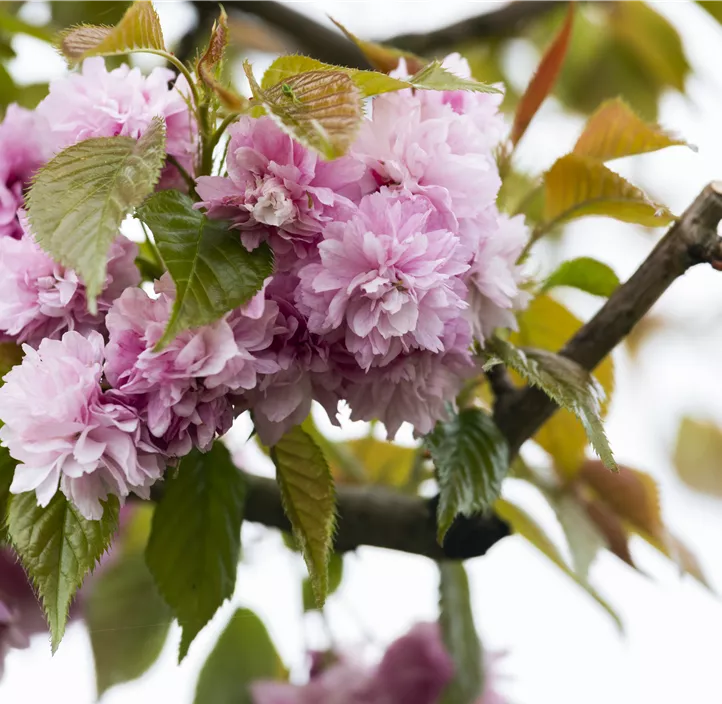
(415, 668)
(389, 262)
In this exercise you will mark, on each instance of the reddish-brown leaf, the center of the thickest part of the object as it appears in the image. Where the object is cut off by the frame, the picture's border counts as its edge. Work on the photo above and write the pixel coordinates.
(611, 527)
(544, 79)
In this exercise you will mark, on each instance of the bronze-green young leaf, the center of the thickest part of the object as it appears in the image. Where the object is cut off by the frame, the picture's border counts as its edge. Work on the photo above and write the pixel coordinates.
(615, 131)
(471, 459)
(80, 197)
(578, 185)
(138, 30)
(213, 272)
(58, 548)
(370, 83)
(309, 499)
(320, 109)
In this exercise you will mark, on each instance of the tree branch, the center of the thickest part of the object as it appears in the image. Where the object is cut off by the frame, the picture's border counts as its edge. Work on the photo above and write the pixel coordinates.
(328, 45)
(693, 239)
(383, 518)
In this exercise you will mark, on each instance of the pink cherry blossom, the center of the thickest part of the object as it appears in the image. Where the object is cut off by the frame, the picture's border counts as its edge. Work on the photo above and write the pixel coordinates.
(421, 144)
(96, 102)
(415, 669)
(390, 276)
(183, 390)
(41, 299)
(304, 372)
(65, 431)
(23, 148)
(494, 278)
(277, 190)
(418, 387)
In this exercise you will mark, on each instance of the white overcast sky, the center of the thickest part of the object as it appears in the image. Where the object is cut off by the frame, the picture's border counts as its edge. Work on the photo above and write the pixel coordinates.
(562, 649)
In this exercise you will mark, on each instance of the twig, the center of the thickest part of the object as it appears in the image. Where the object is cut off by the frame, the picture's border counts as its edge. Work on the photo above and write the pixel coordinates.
(328, 45)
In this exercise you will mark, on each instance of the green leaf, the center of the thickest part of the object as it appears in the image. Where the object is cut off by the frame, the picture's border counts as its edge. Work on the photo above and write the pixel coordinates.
(127, 619)
(138, 30)
(335, 575)
(195, 540)
(10, 355)
(698, 456)
(471, 459)
(523, 524)
(567, 384)
(370, 83)
(460, 636)
(586, 274)
(614, 131)
(78, 200)
(309, 499)
(243, 654)
(58, 548)
(320, 109)
(547, 324)
(577, 185)
(212, 270)
(584, 538)
(435, 77)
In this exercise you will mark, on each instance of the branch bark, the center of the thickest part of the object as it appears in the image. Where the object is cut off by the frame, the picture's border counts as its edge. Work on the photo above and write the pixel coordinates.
(326, 44)
(382, 518)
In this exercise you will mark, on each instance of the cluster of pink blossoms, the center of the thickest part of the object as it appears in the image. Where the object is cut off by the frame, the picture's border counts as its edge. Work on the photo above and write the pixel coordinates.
(390, 261)
(415, 669)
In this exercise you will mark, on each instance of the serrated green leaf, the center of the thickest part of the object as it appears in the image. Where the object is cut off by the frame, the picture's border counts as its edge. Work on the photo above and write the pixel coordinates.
(127, 619)
(614, 131)
(547, 324)
(471, 459)
(309, 499)
(698, 456)
(212, 270)
(58, 548)
(578, 185)
(78, 200)
(460, 636)
(195, 540)
(370, 83)
(320, 109)
(524, 525)
(586, 274)
(567, 384)
(435, 77)
(335, 575)
(138, 30)
(243, 654)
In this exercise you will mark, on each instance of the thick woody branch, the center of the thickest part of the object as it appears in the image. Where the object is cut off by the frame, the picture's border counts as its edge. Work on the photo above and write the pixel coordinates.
(310, 37)
(693, 239)
(382, 518)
